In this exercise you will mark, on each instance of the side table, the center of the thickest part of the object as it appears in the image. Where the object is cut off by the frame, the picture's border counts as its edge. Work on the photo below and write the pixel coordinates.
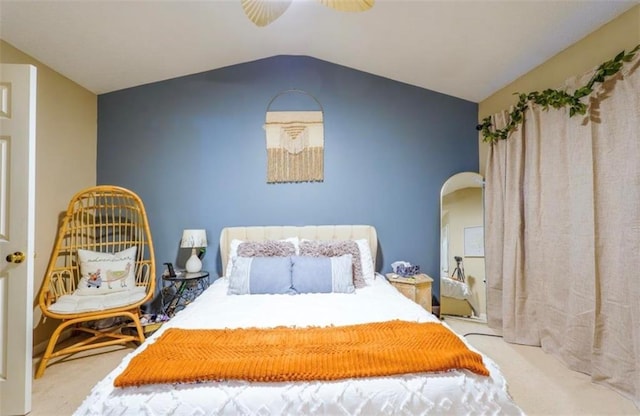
(417, 288)
(178, 291)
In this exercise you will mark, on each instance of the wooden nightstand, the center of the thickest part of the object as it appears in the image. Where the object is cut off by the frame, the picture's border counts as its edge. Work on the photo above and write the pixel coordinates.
(417, 288)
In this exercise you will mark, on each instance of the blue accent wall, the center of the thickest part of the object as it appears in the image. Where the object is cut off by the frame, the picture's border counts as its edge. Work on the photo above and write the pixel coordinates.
(193, 148)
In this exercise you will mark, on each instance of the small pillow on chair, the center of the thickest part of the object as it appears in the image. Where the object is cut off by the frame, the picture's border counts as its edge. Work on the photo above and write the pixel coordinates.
(103, 273)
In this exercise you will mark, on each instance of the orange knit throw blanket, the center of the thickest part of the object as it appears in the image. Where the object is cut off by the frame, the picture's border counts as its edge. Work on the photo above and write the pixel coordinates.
(297, 354)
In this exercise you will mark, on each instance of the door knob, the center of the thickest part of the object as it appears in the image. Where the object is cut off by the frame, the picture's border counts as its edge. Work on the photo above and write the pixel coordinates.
(17, 257)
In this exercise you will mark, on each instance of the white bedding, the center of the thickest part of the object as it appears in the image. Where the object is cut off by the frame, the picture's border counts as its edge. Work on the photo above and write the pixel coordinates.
(454, 288)
(454, 392)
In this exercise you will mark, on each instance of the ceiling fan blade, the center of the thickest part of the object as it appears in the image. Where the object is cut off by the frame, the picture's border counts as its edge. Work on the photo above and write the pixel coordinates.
(263, 12)
(349, 5)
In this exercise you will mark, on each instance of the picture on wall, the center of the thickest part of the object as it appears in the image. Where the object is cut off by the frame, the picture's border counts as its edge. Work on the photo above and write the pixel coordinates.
(474, 241)
(295, 144)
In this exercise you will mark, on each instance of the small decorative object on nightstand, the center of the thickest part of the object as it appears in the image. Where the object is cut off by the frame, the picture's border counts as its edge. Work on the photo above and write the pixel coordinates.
(417, 288)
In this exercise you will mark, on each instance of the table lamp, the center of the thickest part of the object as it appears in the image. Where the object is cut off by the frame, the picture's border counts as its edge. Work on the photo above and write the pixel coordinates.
(193, 239)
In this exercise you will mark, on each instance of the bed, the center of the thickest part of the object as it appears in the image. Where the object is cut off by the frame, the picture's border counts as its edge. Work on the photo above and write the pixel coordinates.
(443, 392)
(456, 298)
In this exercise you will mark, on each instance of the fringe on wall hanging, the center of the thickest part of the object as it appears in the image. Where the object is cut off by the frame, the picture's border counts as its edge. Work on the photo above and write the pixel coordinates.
(295, 144)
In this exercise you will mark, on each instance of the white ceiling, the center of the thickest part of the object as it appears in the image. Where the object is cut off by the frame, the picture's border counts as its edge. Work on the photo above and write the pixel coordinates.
(468, 49)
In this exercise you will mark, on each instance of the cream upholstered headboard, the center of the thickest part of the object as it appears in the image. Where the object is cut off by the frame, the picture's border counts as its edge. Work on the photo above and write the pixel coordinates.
(310, 232)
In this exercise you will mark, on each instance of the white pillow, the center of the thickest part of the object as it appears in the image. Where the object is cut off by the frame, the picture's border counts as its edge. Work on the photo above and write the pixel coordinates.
(233, 252)
(103, 273)
(368, 268)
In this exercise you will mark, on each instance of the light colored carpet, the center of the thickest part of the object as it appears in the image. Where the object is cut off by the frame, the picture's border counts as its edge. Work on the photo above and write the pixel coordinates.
(539, 383)
(65, 384)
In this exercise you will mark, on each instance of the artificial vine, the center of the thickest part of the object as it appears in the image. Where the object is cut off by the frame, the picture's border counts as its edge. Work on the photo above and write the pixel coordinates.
(555, 98)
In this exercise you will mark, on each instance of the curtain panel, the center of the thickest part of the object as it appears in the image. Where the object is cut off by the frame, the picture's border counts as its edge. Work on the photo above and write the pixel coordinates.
(562, 225)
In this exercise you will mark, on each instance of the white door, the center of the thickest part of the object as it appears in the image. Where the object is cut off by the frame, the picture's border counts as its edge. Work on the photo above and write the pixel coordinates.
(17, 218)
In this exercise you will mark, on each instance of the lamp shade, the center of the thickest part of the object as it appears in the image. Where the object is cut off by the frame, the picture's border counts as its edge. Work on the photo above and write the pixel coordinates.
(193, 238)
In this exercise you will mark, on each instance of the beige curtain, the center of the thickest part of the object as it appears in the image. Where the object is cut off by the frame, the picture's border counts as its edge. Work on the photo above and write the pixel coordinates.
(563, 233)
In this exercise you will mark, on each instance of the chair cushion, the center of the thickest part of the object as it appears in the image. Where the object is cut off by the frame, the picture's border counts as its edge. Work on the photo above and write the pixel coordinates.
(74, 303)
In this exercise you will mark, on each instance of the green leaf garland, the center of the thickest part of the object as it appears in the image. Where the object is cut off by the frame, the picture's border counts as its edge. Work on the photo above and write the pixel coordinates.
(555, 98)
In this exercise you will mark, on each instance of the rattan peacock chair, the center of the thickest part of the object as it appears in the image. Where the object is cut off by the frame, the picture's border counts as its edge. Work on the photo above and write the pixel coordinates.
(102, 269)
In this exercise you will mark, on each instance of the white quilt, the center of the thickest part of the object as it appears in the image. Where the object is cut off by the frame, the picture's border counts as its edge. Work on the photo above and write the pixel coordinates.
(450, 393)
(454, 288)
(458, 290)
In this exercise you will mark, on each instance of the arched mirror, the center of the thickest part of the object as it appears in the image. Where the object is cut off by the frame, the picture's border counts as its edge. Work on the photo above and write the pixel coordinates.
(462, 268)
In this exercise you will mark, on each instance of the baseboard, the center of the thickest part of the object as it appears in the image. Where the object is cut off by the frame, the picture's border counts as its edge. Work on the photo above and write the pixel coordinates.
(466, 318)
(40, 347)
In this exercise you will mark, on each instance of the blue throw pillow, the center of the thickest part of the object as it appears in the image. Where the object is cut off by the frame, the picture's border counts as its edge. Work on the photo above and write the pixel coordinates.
(322, 274)
(260, 275)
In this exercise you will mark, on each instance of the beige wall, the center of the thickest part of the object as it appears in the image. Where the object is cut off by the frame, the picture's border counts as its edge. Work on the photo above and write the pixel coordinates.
(622, 33)
(66, 152)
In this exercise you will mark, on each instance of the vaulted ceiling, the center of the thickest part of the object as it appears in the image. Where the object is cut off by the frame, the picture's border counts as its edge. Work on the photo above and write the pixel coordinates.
(468, 49)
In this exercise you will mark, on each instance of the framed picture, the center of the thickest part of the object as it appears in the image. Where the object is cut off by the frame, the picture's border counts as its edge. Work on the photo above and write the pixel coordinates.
(474, 241)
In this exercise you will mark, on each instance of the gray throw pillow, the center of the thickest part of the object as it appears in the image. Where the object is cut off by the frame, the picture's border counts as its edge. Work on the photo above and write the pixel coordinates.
(261, 275)
(337, 248)
(322, 274)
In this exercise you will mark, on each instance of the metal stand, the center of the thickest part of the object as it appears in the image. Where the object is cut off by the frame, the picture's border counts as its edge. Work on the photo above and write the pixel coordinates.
(458, 272)
(182, 290)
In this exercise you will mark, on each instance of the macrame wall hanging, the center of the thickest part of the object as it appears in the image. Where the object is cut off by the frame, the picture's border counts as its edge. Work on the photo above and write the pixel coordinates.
(295, 143)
